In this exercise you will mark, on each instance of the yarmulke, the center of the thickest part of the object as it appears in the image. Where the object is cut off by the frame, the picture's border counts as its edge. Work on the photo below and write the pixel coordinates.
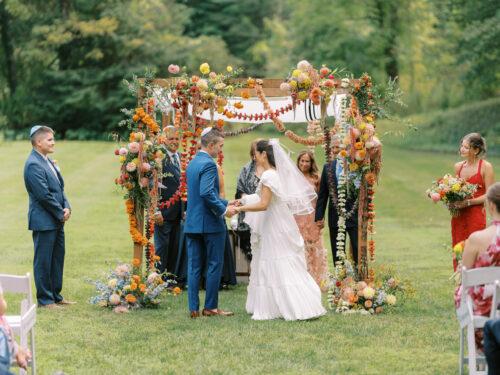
(34, 129)
(206, 131)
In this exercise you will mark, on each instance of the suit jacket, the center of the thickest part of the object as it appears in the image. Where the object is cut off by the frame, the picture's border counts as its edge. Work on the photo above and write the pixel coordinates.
(205, 209)
(46, 194)
(171, 184)
(324, 197)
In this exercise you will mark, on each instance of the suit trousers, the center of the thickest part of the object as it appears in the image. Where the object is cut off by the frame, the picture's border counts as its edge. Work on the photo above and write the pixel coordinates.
(167, 244)
(213, 245)
(48, 265)
(492, 345)
(352, 232)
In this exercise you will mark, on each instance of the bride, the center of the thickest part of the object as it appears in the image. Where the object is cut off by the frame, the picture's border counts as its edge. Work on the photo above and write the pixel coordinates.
(280, 286)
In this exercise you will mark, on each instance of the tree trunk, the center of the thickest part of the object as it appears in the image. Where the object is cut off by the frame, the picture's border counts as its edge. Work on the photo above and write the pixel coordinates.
(8, 50)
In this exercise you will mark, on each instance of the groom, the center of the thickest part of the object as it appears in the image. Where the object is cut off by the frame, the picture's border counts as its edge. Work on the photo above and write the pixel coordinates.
(205, 226)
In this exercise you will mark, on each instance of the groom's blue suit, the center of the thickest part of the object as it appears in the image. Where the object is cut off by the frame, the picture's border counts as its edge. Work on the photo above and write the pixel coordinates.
(205, 229)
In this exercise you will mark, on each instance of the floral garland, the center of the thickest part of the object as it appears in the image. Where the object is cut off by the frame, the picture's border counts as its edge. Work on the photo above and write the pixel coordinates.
(242, 131)
(309, 141)
(278, 124)
(136, 235)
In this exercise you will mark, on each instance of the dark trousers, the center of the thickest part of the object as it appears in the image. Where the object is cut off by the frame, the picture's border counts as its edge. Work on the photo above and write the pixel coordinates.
(167, 245)
(492, 345)
(213, 246)
(352, 232)
(48, 265)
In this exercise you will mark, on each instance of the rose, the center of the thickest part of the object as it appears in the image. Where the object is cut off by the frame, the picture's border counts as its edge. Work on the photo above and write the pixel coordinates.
(114, 299)
(173, 69)
(123, 151)
(131, 167)
(134, 147)
(145, 167)
(144, 182)
(329, 83)
(303, 65)
(122, 270)
(390, 299)
(205, 68)
(285, 87)
(152, 277)
(368, 303)
(436, 197)
(212, 76)
(324, 71)
(361, 285)
(202, 84)
(368, 292)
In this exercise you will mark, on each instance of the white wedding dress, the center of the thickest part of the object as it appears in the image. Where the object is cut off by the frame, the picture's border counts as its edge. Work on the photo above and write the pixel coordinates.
(280, 286)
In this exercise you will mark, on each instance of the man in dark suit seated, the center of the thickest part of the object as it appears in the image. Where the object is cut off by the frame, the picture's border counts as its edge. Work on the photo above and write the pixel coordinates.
(334, 168)
(492, 345)
(49, 210)
(167, 227)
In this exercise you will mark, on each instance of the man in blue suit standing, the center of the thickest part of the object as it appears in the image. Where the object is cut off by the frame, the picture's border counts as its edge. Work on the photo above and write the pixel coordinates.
(49, 209)
(205, 227)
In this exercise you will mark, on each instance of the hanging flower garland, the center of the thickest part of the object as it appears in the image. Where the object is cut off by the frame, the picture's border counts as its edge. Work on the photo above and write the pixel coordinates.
(243, 131)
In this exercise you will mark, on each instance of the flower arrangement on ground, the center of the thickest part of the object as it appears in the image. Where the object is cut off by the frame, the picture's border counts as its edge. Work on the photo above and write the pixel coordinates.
(347, 296)
(449, 189)
(127, 287)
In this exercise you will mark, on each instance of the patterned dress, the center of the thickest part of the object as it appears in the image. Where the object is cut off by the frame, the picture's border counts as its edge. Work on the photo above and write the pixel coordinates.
(315, 251)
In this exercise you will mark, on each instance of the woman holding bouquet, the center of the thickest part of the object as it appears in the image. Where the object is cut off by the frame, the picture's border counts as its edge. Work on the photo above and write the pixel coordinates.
(475, 170)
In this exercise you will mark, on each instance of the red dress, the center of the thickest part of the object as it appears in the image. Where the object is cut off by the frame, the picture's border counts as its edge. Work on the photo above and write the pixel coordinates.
(471, 218)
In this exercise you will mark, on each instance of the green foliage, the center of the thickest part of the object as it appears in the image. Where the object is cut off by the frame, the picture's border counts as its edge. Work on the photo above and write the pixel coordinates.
(443, 130)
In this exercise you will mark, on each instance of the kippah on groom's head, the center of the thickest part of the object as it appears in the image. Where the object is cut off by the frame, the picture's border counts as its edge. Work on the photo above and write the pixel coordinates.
(210, 135)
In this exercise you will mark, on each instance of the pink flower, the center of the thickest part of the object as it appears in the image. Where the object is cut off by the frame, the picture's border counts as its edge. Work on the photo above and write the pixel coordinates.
(123, 151)
(212, 75)
(329, 83)
(120, 309)
(145, 167)
(130, 167)
(122, 270)
(173, 69)
(324, 71)
(285, 87)
(435, 197)
(144, 182)
(134, 147)
(114, 299)
(152, 277)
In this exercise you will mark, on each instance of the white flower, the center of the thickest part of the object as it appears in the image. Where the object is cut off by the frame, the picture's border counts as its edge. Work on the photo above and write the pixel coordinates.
(390, 299)
(368, 292)
(112, 283)
(303, 65)
(345, 82)
(114, 299)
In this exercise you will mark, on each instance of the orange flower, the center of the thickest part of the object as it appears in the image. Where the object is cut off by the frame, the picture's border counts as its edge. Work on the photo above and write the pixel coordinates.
(133, 286)
(142, 288)
(220, 123)
(343, 153)
(136, 262)
(370, 178)
(136, 278)
(238, 105)
(251, 82)
(245, 94)
(176, 290)
(130, 298)
(156, 258)
(358, 145)
(368, 303)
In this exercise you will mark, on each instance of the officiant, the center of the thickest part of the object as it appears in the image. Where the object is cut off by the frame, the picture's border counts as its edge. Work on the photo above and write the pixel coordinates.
(167, 226)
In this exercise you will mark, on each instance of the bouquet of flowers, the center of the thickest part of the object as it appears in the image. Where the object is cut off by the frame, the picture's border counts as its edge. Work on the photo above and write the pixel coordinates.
(127, 287)
(449, 190)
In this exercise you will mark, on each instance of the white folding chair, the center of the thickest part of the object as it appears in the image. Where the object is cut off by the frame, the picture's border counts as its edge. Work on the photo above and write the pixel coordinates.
(468, 321)
(23, 324)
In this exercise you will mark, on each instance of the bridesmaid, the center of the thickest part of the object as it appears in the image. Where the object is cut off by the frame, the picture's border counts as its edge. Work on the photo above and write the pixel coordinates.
(476, 170)
(315, 251)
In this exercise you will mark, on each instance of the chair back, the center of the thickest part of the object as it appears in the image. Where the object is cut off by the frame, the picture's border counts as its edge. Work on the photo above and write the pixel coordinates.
(479, 276)
(18, 284)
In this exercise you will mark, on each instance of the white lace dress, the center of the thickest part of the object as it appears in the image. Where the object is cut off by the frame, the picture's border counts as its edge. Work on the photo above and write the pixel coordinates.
(280, 286)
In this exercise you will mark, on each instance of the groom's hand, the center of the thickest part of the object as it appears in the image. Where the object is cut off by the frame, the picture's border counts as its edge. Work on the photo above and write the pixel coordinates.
(67, 214)
(231, 210)
(235, 202)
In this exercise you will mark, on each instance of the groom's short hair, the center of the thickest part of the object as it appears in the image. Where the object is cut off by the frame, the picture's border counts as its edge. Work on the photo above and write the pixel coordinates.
(213, 136)
(43, 130)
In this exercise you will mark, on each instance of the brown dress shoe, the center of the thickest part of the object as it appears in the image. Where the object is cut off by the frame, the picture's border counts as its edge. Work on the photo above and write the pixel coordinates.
(66, 302)
(195, 314)
(207, 312)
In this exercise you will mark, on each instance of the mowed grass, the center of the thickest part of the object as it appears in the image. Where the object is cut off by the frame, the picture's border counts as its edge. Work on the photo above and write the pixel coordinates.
(420, 337)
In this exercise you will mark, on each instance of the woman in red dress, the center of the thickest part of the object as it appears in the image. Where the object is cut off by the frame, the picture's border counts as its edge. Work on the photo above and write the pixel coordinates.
(476, 170)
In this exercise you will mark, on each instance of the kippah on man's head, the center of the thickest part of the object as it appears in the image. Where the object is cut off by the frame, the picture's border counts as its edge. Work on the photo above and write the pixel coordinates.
(170, 130)
(40, 129)
(210, 135)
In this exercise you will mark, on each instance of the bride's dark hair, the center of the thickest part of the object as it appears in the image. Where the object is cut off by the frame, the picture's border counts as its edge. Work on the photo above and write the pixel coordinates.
(265, 146)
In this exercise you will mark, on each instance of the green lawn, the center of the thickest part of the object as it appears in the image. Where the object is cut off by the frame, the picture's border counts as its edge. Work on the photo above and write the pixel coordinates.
(420, 337)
